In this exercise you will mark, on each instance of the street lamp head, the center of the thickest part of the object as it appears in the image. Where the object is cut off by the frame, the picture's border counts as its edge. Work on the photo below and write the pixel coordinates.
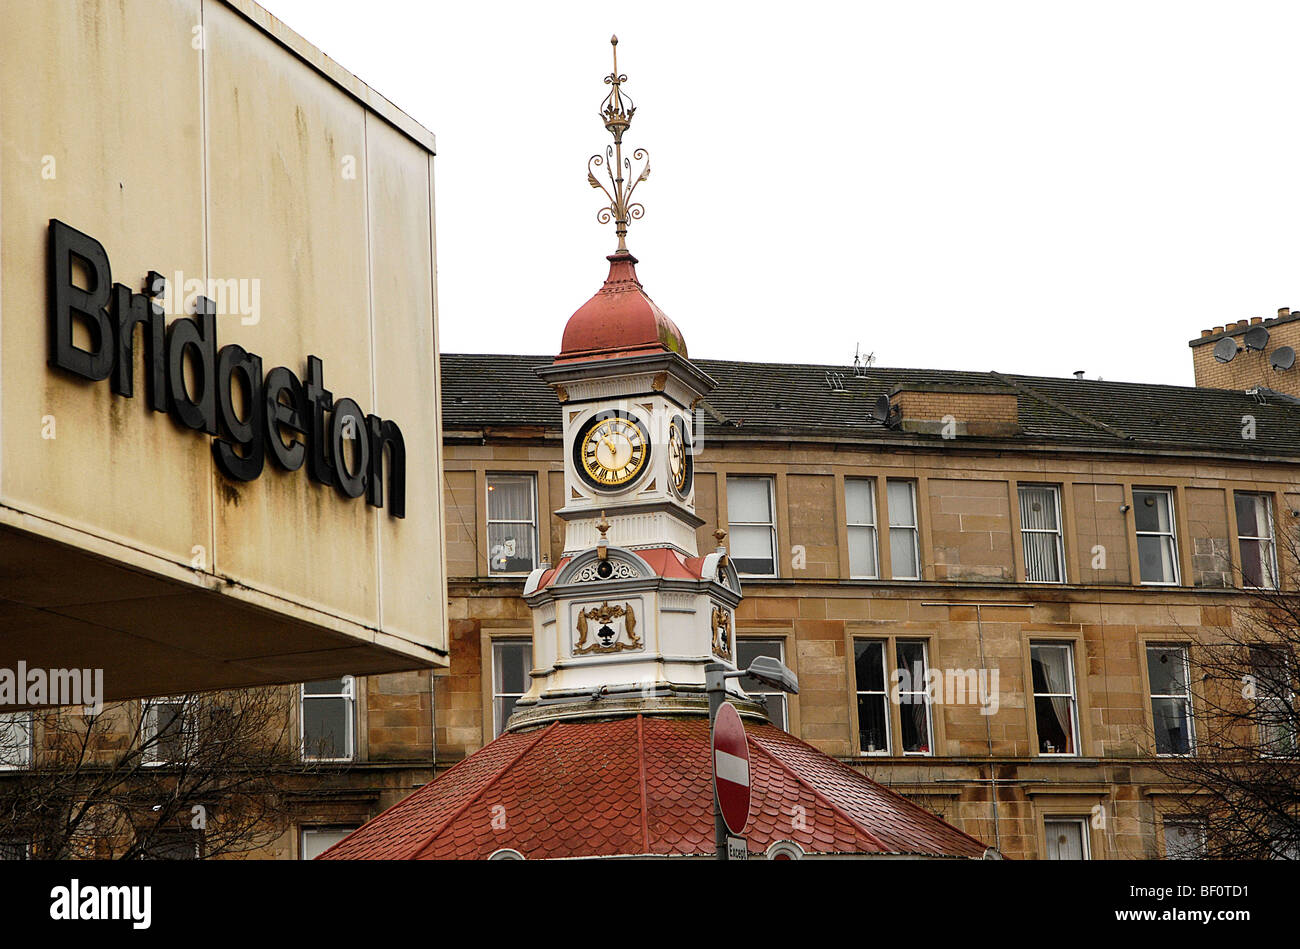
(773, 672)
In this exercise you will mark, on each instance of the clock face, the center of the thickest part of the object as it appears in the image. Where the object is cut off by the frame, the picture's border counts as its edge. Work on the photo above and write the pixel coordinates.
(611, 450)
(681, 463)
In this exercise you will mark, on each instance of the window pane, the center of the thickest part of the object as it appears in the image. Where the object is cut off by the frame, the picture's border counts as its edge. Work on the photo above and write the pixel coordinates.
(169, 729)
(13, 850)
(1184, 840)
(511, 548)
(325, 727)
(1038, 508)
(862, 552)
(902, 553)
(510, 498)
(1064, 839)
(911, 656)
(1253, 573)
(869, 659)
(15, 739)
(1151, 511)
(1156, 558)
(513, 663)
(914, 710)
(1042, 561)
(859, 503)
(1167, 670)
(902, 507)
(173, 846)
(1051, 668)
(316, 841)
(1172, 726)
(1053, 716)
(749, 500)
(505, 707)
(751, 549)
(325, 687)
(776, 710)
(1252, 517)
(747, 650)
(873, 728)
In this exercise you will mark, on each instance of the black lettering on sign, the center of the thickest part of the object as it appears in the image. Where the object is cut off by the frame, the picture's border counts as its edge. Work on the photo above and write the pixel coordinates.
(223, 393)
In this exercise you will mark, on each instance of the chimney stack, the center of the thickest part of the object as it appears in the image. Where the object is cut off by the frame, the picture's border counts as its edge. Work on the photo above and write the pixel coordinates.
(1248, 369)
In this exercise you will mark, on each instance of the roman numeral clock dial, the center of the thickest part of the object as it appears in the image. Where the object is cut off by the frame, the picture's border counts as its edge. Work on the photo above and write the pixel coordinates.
(611, 450)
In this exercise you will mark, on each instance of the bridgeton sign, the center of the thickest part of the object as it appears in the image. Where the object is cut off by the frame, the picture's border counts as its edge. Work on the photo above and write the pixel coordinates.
(292, 422)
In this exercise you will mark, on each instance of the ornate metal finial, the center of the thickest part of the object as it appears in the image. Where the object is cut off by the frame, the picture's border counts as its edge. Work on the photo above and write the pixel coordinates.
(602, 526)
(616, 112)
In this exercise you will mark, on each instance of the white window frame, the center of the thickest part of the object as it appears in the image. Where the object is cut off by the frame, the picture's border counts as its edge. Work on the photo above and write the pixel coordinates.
(1072, 695)
(870, 527)
(1185, 697)
(1285, 701)
(859, 691)
(914, 528)
(304, 832)
(769, 693)
(1270, 564)
(26, 846)
(1085, 836)
(26, 722)
(531, 524)
(1170, 823)
(922, 691)
(497, 644)
(149, 726)
(1059, 533)
(347, 693)
(1172, 535)
(770, 525)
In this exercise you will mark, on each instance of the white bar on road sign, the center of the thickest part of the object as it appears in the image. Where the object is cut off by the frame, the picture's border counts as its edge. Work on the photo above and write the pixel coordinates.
(737, 848)
(731, 768)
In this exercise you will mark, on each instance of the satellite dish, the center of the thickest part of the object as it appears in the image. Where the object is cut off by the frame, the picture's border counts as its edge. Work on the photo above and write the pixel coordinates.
(880, 411)
(1256, 338)
(1225, 350)
(1283, 358)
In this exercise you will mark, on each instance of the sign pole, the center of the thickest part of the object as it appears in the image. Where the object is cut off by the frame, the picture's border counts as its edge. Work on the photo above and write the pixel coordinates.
(715, 686)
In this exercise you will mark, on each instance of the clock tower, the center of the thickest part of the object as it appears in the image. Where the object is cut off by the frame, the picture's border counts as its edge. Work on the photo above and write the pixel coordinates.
(632, 612)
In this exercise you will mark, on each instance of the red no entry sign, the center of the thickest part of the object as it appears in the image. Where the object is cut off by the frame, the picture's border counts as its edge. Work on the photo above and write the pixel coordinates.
(731, 768)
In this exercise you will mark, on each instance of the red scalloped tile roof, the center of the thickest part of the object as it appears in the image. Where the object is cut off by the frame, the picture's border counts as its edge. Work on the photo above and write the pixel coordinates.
(664, 561)
(643, 786)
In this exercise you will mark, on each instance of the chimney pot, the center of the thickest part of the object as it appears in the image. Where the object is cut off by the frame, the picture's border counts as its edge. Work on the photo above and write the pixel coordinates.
(1205, 333)
(1217, 330)
(1256, 319)
(1078, 373)
(1284, 311)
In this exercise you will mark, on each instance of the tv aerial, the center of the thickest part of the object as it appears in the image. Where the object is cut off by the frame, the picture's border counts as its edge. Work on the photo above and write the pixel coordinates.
(862, 362)
(1282, 358)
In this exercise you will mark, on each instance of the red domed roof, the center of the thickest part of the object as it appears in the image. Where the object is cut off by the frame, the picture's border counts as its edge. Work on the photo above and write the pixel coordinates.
(643, 786)
(620, 320)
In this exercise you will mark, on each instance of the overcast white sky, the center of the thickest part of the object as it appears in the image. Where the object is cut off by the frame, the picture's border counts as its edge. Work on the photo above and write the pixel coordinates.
(1032, 187)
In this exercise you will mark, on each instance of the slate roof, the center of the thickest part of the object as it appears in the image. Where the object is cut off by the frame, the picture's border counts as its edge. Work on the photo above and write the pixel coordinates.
(779, 399)
(643, 786)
